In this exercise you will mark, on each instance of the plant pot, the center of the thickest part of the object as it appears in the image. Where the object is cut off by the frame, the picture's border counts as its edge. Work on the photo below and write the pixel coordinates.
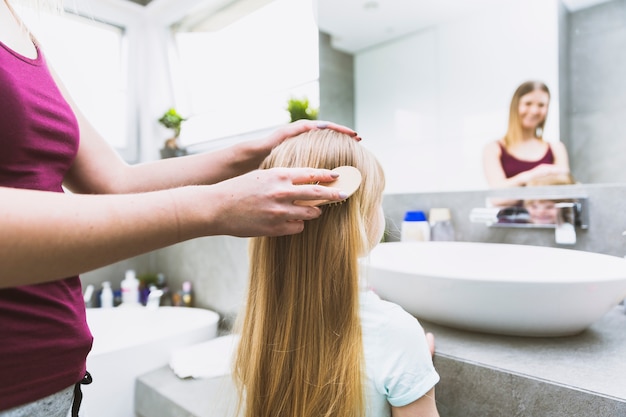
(172, 152)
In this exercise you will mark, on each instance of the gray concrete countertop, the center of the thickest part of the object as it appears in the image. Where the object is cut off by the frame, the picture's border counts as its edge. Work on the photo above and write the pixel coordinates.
(481, 375)
(594, 360)
(488, 375)
(161, 393)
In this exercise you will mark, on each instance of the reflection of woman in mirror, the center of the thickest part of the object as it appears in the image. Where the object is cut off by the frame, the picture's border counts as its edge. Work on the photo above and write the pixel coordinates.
(522, 155)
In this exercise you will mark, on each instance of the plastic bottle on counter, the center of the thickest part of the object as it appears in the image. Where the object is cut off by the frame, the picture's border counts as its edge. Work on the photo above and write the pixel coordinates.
(166, 298)
(186, 295)
(415, 227)
(130, 289)
(106, 296)
(441, 227)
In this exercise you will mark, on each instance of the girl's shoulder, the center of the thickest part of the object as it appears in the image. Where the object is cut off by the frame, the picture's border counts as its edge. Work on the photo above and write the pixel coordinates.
(385, 317)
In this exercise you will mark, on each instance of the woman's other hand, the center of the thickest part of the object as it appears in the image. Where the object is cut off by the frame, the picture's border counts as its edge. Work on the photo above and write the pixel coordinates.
(544, 170)
(301, 126)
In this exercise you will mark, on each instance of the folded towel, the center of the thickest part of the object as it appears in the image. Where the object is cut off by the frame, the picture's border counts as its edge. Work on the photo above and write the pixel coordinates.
(205, 360)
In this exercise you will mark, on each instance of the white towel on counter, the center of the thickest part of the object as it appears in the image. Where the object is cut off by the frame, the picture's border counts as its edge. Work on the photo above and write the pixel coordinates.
(205, 360)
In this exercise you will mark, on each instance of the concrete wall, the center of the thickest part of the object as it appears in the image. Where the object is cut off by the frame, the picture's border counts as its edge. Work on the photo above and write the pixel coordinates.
(597, 84)
(336, 84)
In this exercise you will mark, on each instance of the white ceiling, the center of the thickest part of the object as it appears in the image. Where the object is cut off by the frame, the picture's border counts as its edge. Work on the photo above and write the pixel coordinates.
(358, 24)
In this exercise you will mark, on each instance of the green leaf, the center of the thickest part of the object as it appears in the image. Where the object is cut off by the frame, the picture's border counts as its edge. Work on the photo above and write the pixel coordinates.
(299, 109)
(172, 120)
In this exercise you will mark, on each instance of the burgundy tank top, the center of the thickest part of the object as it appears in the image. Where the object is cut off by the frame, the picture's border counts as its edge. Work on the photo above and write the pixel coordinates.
(44, 338)
(513, 166)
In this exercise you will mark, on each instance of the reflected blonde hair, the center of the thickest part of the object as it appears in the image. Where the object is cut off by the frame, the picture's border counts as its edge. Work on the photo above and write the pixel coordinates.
(301, 352)
(514, 131)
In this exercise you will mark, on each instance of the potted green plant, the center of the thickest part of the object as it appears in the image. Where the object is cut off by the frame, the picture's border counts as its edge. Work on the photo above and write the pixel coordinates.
(300, 109)
(172, 120)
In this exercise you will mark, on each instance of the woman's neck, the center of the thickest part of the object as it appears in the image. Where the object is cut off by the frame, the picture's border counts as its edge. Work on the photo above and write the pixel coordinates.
(528, 134)
(13, 32)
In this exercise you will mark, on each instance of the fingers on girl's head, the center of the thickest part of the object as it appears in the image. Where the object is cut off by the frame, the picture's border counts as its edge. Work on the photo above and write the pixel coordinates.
(321, 124)
(302, 176)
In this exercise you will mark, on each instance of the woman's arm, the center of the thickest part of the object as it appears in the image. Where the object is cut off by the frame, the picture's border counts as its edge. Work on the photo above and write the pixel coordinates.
(494, 173)
(561, 159)
(99, 169)
(492, 167)
(425, 406)
(496, 178)
(47, 236)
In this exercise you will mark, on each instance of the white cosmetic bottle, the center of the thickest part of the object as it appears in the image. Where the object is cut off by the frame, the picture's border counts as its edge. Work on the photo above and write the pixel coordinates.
(106, 296)
(415, 227)
(441, 227)
(130, 290)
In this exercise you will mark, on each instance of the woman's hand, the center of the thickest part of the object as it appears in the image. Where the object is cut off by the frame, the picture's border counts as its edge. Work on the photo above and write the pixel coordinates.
(543, 171)
(259, 203)
(244, 157)
(301, 126)
(108, 228)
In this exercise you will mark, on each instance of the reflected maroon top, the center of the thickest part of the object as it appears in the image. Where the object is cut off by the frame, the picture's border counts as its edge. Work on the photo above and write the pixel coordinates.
(44, 338)
(513, 166)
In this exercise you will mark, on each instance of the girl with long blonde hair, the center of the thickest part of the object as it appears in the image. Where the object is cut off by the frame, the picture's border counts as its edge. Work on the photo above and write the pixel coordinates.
(313, 342)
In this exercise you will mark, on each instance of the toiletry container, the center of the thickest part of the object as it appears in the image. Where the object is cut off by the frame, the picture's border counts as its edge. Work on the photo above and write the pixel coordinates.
(130, 289)
(186, 295)
(166, 298)
(106, 296)
(441, 227)
(88, 296)
(415, 227)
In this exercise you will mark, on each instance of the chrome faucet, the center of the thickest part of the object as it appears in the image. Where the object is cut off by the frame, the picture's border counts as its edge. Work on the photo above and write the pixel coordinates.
(565, 227)
(565, 215)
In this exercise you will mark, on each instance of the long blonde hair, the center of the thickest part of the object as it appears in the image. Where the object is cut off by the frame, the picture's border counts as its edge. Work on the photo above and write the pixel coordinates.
(514, 131)
(301, 352)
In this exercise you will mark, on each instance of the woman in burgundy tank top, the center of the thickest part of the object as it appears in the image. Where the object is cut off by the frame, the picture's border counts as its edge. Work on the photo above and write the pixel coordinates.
(115, 211)
(522, 155)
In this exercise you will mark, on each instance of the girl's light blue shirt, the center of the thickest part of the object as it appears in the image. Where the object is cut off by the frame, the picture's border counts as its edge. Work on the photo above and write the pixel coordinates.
(398, 363)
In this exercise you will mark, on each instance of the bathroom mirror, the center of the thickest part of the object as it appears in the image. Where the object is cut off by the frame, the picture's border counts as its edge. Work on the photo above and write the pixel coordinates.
(433, 82)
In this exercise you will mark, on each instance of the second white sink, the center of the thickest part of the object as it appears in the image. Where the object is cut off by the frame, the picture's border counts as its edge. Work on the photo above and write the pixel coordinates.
(498, 288)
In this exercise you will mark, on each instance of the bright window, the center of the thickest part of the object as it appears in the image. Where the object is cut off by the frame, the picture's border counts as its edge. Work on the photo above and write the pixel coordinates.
(238, 79)
(90, 58)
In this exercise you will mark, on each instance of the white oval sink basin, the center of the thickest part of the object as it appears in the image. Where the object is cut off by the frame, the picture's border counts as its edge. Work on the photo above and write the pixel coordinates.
(498, 288)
